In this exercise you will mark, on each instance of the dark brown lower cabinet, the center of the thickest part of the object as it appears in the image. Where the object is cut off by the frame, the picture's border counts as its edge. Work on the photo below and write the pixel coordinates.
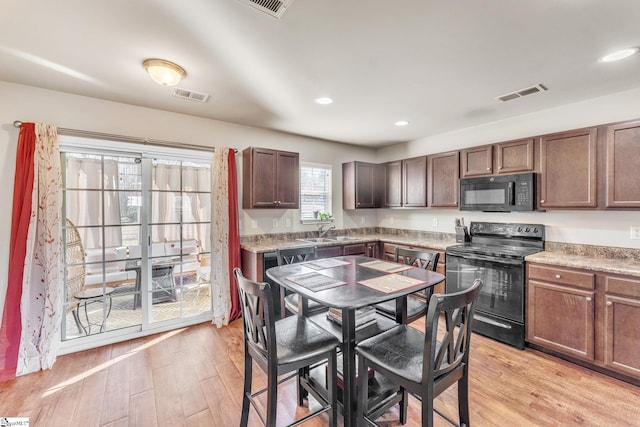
(592, 318)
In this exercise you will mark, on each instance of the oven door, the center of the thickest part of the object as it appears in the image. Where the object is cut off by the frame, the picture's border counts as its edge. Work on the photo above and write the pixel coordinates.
(502, 293)
(500, 307)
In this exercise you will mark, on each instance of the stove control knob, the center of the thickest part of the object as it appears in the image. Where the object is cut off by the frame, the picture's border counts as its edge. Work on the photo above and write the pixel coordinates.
(519, 229)
(535, 230)
(526, 229)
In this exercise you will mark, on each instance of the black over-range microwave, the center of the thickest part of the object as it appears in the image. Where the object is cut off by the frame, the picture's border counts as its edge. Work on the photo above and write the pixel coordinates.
(504, 193)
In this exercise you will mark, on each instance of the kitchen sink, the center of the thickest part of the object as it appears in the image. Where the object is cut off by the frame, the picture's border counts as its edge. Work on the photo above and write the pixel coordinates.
(327, 239)
(317, 240)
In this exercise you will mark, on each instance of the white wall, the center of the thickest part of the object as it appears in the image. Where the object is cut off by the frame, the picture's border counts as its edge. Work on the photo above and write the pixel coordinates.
(69, 111)
(75, 112)
(608, 228)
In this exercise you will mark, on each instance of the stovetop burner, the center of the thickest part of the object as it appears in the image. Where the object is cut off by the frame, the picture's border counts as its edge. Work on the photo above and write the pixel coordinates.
(502, 240)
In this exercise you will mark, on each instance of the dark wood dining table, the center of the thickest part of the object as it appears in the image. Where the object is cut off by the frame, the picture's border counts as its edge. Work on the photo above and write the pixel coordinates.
(348, 294)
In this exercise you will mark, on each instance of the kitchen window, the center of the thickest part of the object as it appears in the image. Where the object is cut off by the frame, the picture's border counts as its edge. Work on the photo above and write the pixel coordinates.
(315, 191)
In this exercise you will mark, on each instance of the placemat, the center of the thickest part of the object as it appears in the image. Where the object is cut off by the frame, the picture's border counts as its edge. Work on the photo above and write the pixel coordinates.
(391, 283)
(321, 264)
(315, 281)
(386, 266)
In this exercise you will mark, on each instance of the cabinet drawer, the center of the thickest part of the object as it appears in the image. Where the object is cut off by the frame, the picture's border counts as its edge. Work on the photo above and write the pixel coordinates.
(562, 275)
(622, 286)
(355, 249)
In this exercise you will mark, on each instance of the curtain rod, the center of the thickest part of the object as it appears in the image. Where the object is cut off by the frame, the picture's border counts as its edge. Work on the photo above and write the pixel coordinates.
(135, 140)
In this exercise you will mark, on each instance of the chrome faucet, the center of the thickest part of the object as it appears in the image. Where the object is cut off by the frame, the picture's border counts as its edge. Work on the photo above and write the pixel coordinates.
(322, 232)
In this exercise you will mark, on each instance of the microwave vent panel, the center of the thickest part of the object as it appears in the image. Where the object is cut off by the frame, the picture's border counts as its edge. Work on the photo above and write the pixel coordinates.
(522, 92)
(190, 95)
(274, 8)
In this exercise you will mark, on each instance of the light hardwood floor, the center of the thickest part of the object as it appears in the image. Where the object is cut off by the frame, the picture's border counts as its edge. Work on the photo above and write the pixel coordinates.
(193, 377)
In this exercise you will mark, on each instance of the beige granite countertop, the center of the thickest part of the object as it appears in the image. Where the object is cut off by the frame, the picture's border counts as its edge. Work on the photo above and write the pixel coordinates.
(597, 258)
(271, 243)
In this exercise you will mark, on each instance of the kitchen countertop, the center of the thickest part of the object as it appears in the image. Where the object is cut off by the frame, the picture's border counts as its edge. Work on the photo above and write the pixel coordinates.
(271, 245)
(604, 259)
(626, 264)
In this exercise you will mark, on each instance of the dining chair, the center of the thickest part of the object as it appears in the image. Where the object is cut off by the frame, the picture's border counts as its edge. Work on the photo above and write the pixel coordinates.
(289, 301)
(421, 364)
(279, 347)
(416, 302)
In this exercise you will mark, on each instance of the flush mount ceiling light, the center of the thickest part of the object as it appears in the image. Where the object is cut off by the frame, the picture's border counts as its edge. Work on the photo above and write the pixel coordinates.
(401, 123)
(323, 100)
(164, 72)
(619, 54)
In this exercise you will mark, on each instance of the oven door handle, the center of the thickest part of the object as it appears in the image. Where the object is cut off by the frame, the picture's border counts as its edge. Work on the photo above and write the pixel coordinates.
(493, 259)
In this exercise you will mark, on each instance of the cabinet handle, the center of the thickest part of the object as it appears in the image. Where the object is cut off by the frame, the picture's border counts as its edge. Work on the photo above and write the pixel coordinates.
(488, 169)
(541, 201)
(499, 167)
(588, 299)
(557, 276)
(609, 303)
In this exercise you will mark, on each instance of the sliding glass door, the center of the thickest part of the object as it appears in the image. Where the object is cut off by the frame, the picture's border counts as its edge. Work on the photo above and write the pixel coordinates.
(137, 240)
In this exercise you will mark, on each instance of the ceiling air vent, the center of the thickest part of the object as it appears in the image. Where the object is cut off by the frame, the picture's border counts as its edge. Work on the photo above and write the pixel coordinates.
(271, 7)
(522, 92)
(190, 94)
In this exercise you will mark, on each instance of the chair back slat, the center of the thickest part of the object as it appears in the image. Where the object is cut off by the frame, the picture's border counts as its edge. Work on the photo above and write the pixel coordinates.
(256, 302)
(453, 348)
(295, 255)
(421, 259)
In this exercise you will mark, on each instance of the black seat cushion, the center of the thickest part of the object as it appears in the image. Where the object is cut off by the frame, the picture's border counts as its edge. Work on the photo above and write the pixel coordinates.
(291, 303)
(415, 308)
(297, 338)
(400, 350)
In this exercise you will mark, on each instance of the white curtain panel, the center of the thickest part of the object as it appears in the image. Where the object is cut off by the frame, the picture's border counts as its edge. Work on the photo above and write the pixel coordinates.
(84, 207)
(220, 289)
(42, 286)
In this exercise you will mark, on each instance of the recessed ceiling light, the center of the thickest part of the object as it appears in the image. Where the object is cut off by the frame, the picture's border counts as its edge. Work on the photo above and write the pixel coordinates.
(401, 123)
(619, 54)
(323, 100)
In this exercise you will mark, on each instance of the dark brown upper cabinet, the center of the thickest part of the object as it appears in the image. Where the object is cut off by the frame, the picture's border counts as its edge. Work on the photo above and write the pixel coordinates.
(360, 185)
(477, 161)
(444, 174)
(392, 184)
(270, 179)
(501, 158)
(514, 156)
(405, 183)
(568, 169)
(623, 165)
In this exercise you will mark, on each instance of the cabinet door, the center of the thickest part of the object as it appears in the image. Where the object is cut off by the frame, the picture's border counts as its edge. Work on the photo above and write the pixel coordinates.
(623, 164)
(561, 318)
(261, 176)
(622, 324)
(287, 180)
(477, 161)
(414, 182)
(444, 173)
(515, 156)
(329, 251)
(393, 184)
(365, 185)
(568, 169)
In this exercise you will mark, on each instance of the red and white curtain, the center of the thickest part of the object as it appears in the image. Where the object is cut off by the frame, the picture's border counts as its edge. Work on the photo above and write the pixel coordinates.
(225, 237)
(30, 330)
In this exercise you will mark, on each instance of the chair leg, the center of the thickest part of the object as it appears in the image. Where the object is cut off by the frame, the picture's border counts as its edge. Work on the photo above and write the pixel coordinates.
(363, 391)
(272, 397)
(332, 389)
(427, 410)
(404, 403)
(463, 398)
(300, 391)
(246, 403)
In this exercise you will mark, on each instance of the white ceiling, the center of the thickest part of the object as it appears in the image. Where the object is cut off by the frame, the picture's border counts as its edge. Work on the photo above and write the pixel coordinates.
(438, 64)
